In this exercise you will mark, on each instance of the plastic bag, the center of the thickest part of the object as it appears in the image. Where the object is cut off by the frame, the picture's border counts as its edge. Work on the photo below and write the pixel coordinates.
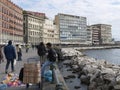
(48, 75)
(3, 86)
(15, 61)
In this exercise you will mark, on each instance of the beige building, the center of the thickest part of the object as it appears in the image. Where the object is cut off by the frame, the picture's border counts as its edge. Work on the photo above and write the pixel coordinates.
(11, 22)
(50, 32)
(102, 33)
(96, 36)
(33, 26)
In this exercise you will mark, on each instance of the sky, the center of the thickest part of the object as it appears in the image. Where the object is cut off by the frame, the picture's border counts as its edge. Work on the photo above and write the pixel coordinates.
(96, 11)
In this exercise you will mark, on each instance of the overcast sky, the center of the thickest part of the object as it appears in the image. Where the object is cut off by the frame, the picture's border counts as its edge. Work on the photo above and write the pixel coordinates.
(96, 11)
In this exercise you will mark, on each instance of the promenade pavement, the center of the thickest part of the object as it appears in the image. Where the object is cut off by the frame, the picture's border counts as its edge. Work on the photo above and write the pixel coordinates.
(32, 53)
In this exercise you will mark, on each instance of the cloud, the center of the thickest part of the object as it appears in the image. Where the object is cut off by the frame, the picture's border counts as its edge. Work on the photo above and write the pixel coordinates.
(96, 11)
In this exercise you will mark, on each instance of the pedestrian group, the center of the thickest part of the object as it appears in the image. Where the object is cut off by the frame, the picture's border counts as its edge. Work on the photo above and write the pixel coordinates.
(48, 55)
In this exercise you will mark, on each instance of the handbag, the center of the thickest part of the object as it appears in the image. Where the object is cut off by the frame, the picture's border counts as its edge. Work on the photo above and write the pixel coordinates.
(15, 61)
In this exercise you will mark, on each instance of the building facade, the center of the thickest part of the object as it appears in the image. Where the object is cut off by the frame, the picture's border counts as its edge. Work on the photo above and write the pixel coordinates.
(104, 33)
(11, 22)
(50, 32)
(89, 35)
(73, 29)
(33, 27)
(96, 36)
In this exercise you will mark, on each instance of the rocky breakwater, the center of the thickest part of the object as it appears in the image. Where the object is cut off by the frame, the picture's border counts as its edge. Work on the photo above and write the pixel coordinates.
(96, 74)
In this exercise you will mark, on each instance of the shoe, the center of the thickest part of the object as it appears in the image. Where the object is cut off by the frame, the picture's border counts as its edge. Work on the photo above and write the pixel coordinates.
(6, 72)
(12, 71)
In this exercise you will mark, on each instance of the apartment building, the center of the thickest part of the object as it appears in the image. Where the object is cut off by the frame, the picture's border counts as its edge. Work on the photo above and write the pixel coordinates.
(11, 22)
(73, 29)
(33, 27)
(96, 36)
(50, 32)
(104, 30)
(89, 35)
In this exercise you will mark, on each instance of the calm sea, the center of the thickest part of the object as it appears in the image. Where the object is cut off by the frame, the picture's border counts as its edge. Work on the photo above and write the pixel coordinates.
(110, 55)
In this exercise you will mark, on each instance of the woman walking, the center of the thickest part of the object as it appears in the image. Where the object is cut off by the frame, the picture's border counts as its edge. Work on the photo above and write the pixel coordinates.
(19, 52)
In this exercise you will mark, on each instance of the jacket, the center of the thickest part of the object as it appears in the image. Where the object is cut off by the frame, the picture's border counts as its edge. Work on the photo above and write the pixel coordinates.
(52, 55)
(41, 50)
(9, 52)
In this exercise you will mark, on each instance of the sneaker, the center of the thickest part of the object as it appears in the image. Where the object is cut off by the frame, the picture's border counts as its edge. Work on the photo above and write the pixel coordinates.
(12, 71)
(6, 72)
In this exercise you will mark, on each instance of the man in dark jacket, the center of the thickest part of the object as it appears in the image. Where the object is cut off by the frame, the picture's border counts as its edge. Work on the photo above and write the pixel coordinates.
(51, 58)
(10, 55)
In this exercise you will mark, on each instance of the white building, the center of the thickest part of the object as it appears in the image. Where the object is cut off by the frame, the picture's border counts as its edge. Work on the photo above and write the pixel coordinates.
(33, 26)
(73, 29)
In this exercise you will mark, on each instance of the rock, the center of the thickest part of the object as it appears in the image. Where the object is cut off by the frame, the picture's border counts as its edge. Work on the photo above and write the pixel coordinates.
(104, 87)
(100, 62)
(90, 68)
(110, 87)
(108, 77)
(69, 69)
(108, 70)
(99, 80)
(92, 86)
(117, 87)
(66, 78)
(71, 76)
(118, 79)
(74, 66)
(97, 74)
(67, 64)
(85, 79)
(77, 87)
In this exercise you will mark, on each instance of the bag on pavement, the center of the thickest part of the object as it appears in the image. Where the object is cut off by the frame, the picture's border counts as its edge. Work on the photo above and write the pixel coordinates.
(3, 86)
(21, 74)
(48, 75)
(15, 61)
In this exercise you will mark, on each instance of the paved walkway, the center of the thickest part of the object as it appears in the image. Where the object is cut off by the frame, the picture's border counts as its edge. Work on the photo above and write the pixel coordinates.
(31, 53)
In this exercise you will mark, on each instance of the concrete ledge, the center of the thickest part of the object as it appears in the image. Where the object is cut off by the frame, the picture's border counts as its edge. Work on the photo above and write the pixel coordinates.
(59, 80)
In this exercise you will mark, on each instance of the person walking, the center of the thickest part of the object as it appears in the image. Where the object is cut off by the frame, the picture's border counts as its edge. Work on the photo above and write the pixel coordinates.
(27, 48)
(51, 58)
(19, 52)
(10, 55)
(1, 55)
(42, 52)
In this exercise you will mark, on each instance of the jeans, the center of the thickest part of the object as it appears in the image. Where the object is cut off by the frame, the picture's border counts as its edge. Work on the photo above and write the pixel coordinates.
(46, 64)
(12, 65)
(42, 59)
